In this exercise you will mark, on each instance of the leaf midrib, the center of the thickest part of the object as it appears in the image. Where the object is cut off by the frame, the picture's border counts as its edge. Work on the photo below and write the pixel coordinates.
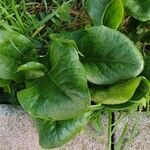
(59, 87)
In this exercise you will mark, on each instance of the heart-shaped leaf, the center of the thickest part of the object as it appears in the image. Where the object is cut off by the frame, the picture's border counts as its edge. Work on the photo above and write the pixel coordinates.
(53, 134)
(139, 9)
(109, 56)
(14, 50)
(107, 64)
(115, 94)
(62, 93)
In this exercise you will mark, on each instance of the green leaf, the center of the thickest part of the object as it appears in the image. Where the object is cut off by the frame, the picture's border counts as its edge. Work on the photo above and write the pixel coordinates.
(53, 134)
(32, 70)
(146, 71)
(14, 50)
(139, 9)
(143, 90)
(62, 93)
(109, 56)
(4, 83)
(105, 12)
(115, 94)
(32, 66)
(114, 14)
(107, 64)
(140, 96)
(122, 107)
(96, 10)
(128, 106)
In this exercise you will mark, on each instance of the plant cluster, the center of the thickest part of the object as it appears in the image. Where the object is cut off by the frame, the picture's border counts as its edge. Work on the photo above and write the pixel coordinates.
(67, 62)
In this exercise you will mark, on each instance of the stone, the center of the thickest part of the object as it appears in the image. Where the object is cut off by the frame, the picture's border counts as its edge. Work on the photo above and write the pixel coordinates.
(141, 136)
(18, 133)
(16, 130)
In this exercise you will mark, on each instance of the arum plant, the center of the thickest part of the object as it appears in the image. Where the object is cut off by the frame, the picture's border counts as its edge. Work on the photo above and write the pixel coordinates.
(86, 72)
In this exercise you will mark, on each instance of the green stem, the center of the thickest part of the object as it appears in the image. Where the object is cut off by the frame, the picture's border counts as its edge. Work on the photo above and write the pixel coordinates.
(95, 107)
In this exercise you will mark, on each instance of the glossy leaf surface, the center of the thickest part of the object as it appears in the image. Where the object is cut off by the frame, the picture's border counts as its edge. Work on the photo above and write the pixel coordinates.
(54, 134)
(109, 56)
(32, 70)
(115, 94)
(14, 50)
(140, 96)
(140, 9)
(96, 10)
(105, 12)
(143, 90)
(114, 14)
(63, 92)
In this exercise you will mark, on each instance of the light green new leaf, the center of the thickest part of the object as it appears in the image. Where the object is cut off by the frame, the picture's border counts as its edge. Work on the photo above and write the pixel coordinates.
(115, 94)
(128, 106)
(105, 12)
(140, 96)
(32, 66)
(53, 134)
(139, 9)
(114, 14)
(32, 70)
(61, 94)
(109, 56)
(143, 90)
(14, 50)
